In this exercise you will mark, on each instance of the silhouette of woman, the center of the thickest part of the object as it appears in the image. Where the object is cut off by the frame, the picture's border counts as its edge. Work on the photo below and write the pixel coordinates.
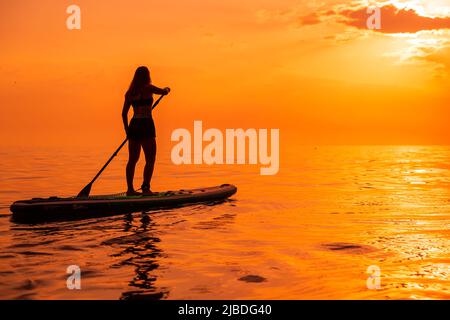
(141, 130)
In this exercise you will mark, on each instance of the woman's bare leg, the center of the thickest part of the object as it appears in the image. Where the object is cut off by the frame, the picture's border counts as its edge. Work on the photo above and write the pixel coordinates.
(134, 151)
(149, 147)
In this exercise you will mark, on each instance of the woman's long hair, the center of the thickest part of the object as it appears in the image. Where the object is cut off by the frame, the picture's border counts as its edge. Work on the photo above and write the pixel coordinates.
(140, 80)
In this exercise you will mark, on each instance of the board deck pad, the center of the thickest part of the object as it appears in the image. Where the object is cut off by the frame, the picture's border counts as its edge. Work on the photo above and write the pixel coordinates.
(55, 208)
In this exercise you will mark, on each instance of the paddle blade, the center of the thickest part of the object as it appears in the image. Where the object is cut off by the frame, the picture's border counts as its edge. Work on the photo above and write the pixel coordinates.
(85, 192)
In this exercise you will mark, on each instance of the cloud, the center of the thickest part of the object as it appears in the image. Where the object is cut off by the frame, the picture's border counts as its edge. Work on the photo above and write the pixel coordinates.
(427, 37)
(309, 19)
(438, 57)
(394, 20)
(424, 30)
(430, 49)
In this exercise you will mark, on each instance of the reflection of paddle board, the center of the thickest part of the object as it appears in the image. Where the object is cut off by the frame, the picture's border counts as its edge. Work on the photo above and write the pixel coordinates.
(39, 209)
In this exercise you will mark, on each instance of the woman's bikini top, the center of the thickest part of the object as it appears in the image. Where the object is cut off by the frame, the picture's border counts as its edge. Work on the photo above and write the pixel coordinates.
(142, 102)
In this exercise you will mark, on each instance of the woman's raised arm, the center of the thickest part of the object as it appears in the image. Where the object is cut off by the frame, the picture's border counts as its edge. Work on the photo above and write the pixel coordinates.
(157, 90)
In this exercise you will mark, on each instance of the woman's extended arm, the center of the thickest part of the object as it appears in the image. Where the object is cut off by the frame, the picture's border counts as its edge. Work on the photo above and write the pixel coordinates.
(157, 90)
(126, 108)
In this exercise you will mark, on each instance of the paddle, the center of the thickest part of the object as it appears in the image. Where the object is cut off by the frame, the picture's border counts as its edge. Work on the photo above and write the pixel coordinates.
(87, 190)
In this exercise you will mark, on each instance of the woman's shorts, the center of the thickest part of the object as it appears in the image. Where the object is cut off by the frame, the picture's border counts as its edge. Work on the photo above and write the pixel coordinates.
(141, 129)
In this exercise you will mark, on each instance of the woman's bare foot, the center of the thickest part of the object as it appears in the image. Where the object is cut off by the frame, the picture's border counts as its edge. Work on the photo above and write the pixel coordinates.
(131, 193)
(147, 192)
(146, 189)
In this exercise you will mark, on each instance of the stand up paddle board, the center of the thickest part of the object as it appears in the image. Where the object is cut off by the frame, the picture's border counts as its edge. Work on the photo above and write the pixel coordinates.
(54, 208)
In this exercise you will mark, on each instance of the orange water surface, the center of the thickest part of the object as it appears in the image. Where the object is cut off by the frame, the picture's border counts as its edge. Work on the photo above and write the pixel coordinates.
(309, 232)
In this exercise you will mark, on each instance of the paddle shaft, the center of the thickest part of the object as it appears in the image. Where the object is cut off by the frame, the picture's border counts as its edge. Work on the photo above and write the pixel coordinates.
(85, 192)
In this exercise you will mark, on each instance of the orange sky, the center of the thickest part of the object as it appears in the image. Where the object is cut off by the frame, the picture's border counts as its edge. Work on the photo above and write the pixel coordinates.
(312, 70)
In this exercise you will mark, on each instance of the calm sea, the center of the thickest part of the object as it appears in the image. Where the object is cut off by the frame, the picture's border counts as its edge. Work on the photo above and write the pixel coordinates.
(311, 232)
